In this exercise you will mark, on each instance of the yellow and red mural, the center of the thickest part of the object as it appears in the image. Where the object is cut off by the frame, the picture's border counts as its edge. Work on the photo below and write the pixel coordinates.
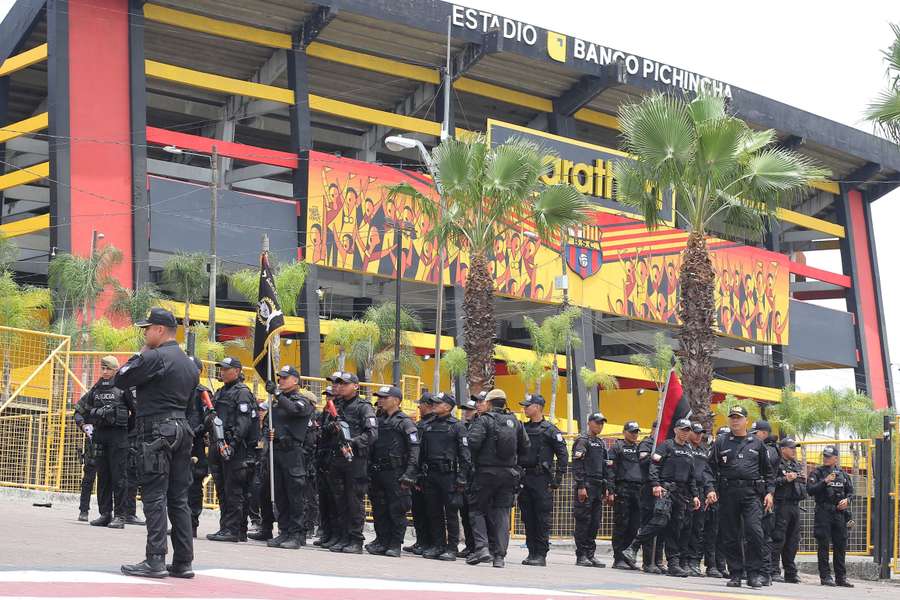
(614, 265)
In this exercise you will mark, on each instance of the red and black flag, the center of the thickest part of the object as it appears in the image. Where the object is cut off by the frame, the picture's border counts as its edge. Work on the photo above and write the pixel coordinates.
(673, 406)
(269, 318)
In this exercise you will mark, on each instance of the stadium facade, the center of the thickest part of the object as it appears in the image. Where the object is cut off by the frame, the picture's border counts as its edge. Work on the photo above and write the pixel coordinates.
(297, 98)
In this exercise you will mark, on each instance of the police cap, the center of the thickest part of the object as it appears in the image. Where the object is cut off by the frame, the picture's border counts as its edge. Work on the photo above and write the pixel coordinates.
(286, 371)
(445, 397)
(597, 417)
(829, 451)
(682, 424)
(761, 426)
(632, 427)
(737, 411)
(158, 316)
(533, 399)
(787, 443)
(697, 428)
(470, 403)
(229, 363)
(389, 390)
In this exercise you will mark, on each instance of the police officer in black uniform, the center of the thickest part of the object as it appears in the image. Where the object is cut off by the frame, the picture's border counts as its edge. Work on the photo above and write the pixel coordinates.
(589, 469)
(744, 483)
(445, 464)
(89, 471)
(291, 408)
(762, 430)
(625, 475)
(261, 502)
(653, 550)
(469, 407)
(419, 509)
(832, 489)
(540, 478)
(311, 489)
(393, 467)
(108, 410)
(692, 531)
(673, 484)
(354, 434)
(326, 447)
(164, 377)
(497, 441)
(197, 414)
(790, 490)
(232, 463)
(713, 557)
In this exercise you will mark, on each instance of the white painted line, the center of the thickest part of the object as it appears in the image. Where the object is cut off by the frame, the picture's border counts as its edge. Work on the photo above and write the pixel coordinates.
(326, 582)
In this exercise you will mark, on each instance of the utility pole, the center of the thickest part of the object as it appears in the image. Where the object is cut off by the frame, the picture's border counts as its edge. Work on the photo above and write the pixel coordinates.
(213, 218)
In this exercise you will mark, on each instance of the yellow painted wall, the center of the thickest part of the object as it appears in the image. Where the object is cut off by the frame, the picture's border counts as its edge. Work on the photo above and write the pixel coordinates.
(620, 406)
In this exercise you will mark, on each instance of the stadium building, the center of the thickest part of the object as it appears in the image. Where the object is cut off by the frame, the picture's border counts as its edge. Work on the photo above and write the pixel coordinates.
(110, 111)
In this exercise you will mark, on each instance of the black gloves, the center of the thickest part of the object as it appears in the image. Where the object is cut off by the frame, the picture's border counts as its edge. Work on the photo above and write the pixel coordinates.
(271, 388)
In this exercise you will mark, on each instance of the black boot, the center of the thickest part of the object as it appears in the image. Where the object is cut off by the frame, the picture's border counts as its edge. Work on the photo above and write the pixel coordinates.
(376, 548)
(583, 561)
(478, 556)
(182, 571)
(538, 560)
(83, 516)
(117, 523)
(351, 548)
(260, 535)
(154, 566)
(596, 563)
(499, 562)
(102, 520)
(339, 545)
(222, 536)
(843, 583)
(827, 581)
(292, 543)
(393, 552)
(628, 557)
(134, 520)
(277, 541)
(328, 543)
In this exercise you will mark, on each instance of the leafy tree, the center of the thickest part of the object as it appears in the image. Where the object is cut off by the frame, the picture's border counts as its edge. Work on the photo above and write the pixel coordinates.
(553, 336)
(456, 363)
(289, 280)
(135, 304)
(186, 275)
(9, 253)
(531, 371)
(834, 408)
(796, 416)
(106, 337)
(656, 364)
(488, 190)
(338, 343)
(594, 379)
(722, 172)
(753, 412)
(884, 110)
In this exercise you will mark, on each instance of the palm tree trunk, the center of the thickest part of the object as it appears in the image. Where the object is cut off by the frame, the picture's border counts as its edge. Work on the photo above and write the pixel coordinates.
(342, 359)
(696, 308)
(479, 326)
(187, 318)
(554, 386)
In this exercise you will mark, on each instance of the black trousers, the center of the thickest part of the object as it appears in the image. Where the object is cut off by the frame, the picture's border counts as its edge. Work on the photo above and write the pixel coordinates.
(587, 520)
(231, 479)
(290, 479)
(442, 516)
(691, 540)
(786, 538)
(199, 470)
(349, 492)
(310, 500)
(87, 484)
(465, 517)
(390, 502)
(132, 478)
(741, 509)
(536, 504)
(327, 527)
(111, 456)
(653, 549)
(711, 556)
(420, 517)
(626, 516)
(830, 530)
(768, 526)
(164, 469)
(492, 495)
(669, 529)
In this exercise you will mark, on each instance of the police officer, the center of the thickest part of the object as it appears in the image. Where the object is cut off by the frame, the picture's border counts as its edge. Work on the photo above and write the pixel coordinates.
(445, 463)
(393, 466)
(741, 470)
(108, 410)
(469, 407)
(540, 478)
(653, 550)
(354, 434)
(625, 475)
(326, 447)
(164, 378)
(832, 489)
(762, 430)
(713, 556)
(197, 412)
(291, 408)
(692, 531)
(89, 470)
(589, 458)
(311, 489)
(673, 484)
(232, 463)
(261, 501)
(419, 508)
(790, 489)
(497, 441)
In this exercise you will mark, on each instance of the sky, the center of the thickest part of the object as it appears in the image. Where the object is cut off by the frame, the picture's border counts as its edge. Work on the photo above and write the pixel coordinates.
(823, 57)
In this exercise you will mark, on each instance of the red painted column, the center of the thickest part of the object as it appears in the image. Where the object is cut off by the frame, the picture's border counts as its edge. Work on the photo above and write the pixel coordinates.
(100, 128)
(868, 318)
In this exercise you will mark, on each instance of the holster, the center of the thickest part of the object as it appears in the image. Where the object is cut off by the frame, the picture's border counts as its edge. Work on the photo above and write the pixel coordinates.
(662, 509)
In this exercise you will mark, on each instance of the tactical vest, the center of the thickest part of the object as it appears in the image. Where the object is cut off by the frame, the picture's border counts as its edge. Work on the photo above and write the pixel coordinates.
(294, 425)
(595, 457)
(628, 466)
(540, 452)
(106, 394)
(390, 445)
(439, 442)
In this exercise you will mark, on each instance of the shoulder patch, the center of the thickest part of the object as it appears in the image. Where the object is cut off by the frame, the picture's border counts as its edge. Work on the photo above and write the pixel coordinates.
(373, 422)
(413, 437)
(559, 437)
(244, 407)
(465, 441)
(656, 457)
(643, 454)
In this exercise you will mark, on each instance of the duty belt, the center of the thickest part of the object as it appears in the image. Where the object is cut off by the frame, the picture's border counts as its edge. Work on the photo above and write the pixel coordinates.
(633, 484)
(444, 466)
(739, 483)
(387, 464)
(163, 416)
(538, 470)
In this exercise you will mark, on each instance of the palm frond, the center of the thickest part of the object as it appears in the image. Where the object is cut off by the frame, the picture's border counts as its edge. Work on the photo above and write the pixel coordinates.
(598, 378)
(455, 361)
(186, 275)
(659, 130)
(557, 208)
(9, 252)
(884, 112)
(636, 189)
(706, 107)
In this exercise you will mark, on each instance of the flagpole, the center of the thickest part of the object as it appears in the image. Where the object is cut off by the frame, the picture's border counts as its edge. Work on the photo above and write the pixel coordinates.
(662, 404)
(265, 249)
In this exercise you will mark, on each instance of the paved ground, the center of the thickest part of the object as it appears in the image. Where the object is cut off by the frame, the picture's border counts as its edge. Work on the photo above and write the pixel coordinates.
(46, 553)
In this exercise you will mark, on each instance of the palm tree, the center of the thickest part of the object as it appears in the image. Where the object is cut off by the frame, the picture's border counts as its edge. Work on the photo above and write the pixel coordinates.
(186, 275)
(834, 408)
(597, 379)
(106, 337)
(77, 283)
(18, 310)
(135, 304)
(552, 336)
(9, 252)
(795, 415)
(531, 372)
(656, 364)
(373, 349)
(488, 190)
(338, 342)
(752, 408)
(722, 173)
(289, 280)
(884, 110)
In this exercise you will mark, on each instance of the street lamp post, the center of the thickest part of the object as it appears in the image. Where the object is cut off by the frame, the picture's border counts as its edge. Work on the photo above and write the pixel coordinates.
(398, 234)
(213, 158)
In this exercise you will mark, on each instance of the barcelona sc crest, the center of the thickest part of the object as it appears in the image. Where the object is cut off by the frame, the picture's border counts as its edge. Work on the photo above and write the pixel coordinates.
(584, 254)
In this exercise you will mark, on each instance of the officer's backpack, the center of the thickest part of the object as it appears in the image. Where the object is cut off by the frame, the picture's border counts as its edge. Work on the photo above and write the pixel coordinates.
(505, 435)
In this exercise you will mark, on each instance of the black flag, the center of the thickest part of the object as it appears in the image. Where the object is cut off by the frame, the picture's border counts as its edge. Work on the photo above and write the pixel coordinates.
(269, 318)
